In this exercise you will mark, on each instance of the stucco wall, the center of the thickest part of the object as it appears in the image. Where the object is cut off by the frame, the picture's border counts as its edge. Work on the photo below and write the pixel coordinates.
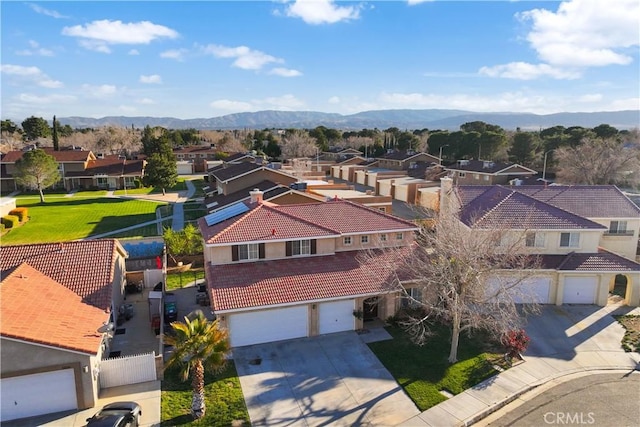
(19, 358)
(624, 245)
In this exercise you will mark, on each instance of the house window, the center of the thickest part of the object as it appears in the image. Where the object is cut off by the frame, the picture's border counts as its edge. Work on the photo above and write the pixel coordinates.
(383, 210)
(193, 156)
(486, 177)
(101, 182)
(413, 298)
(618, 227)
(383, 237)
(300, 247)
(203, 156)
(535, 240)
(399, 236)
(569, 240)
(462, 174)
(129, 181)
(250, 251)
(364, 239)
(347, 241)
(476, 175)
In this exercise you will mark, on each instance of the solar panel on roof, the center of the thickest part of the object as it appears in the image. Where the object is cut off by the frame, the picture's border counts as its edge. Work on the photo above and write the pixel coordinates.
(226, 213)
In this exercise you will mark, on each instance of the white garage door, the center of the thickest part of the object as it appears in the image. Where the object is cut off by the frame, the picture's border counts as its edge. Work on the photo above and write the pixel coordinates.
(579, 290)
(38, 394)
(257, 327)
(530, 290)
(336, 316)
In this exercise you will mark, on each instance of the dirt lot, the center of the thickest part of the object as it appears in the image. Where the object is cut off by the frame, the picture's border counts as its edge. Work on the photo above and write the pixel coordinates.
(631, 340)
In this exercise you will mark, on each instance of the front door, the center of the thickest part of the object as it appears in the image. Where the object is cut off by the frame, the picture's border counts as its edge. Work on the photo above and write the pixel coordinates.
(370, 308)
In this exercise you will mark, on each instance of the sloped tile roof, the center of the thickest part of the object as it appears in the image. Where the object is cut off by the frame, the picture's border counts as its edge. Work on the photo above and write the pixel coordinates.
(112, 167)
(60, 156)
(262, 223)
(500, 206)
(300, 221)
(482, 166)
(347, 217)
(257, 284)
(196, 149)
(403, 155)
(36, 308)
(84, 267)
(232, 170)
(238, 156)
(225, 200)
(589, 201)
(601, 261)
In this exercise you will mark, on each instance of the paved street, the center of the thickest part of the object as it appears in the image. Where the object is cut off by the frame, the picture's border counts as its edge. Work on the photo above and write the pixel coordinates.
(598, 400)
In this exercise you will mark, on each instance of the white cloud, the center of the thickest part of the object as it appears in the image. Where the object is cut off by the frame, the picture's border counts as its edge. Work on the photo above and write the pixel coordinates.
(152, 79)
(585, 33)
(334, 100)
(43, 100)
(590, 98)
(526, 71)
(127, 109)
(177, 54)
(317, 12)
(133, 52)
(101, 91)
(245, 58)
(146, 101)
(414, 2)
(283, 103)
(35, 49)
(97, 35)
(32, 74)
(624, 104)
(285, 72)
(41, 10)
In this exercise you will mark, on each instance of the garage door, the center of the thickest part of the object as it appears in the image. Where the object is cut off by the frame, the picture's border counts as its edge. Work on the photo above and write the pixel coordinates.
(38, 394)
(530, 290)
(258, 327)
(336, 316)
(579, 290)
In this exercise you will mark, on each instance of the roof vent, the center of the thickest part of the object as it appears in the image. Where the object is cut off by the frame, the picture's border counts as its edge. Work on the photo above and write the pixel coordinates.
(463, 162)
(486, 164)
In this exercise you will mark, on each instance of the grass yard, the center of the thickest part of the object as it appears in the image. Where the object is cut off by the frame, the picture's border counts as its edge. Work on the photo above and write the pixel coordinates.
(223, 399)
(180, 185)
(179, 280)
(193, 211)
(631, 339)
(69, 218)
(424, 371)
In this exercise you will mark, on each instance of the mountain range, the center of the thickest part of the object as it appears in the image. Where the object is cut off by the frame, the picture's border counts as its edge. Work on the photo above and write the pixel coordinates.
(382, 119)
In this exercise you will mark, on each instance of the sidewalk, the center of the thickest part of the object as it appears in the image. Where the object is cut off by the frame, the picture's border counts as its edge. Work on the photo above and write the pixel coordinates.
(588, 339)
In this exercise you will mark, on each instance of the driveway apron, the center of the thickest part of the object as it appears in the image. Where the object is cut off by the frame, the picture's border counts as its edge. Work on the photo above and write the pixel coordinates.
(328, 380)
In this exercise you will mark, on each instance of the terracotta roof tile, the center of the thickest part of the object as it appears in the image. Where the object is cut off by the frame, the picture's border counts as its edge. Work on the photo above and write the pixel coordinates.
(257, 284)
(483, 166)
(38, 309)
(601, 261)
(230, 171)
(60, 156)
(85, 267)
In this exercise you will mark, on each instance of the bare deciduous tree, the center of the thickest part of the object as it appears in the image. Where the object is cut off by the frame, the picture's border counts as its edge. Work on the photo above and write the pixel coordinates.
(466, 277)
(298, 144)
(600, 161)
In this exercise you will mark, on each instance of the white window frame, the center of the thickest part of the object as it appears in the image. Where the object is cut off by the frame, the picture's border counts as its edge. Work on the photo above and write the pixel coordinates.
(102, 182)
(486, 177)
(462, 174)
(383, 237)
(248, 252)
(412, 294)
(476, 175)
(618, 227)
(364, 239)
(574, 239)
(535, 239)
(300, 247)
(347, 241)
(399, 236)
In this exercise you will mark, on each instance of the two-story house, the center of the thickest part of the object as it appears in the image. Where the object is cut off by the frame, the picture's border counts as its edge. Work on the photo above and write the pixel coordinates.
(281, 272)
(404, 160)
(486, 172)
(231, 177)
(582, 236)
(195, 158)
(56, 300)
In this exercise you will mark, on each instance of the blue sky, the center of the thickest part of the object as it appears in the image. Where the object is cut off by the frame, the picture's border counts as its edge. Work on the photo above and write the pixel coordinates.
(211, 58)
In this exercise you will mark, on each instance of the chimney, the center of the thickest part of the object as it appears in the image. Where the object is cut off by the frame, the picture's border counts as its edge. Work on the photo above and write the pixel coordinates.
(256, 195)
(447, 195)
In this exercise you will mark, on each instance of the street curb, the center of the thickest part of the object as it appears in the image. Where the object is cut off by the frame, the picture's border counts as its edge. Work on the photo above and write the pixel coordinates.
(562, 376)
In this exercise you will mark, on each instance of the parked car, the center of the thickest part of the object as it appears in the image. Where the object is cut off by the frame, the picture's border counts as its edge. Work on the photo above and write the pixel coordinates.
(170, 308)
(118, 414)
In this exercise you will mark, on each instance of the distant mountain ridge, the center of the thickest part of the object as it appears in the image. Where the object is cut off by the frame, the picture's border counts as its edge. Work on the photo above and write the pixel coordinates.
(381, 119)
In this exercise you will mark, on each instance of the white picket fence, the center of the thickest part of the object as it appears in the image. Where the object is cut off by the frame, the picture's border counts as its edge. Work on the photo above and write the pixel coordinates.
(127, 370)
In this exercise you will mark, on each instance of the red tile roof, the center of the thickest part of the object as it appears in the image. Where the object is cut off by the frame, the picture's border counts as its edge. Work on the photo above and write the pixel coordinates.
(601, 261)
(84, 267)
(270, 222)
(36, 308)
(60, 156)
(258, 284)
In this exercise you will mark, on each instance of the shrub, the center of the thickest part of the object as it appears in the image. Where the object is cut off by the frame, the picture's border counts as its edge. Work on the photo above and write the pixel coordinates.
(515, 342)
(10, 221)
(21, 213)
(2, 228)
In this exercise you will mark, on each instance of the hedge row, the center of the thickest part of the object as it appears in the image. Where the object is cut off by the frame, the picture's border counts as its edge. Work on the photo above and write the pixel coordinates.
(10, 221)
(21, 213)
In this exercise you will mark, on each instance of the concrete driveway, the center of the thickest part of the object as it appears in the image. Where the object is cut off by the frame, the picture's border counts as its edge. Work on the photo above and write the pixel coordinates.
(328, 380)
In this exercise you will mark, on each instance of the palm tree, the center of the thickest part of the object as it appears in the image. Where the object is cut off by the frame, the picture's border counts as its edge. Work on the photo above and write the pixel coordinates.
(199, 344)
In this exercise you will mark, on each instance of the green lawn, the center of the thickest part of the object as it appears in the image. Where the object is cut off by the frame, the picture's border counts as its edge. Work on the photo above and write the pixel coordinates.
(424, 371)
(223, 399)
(193, 210)
(68, 218)
(179, 280)
(180, 185)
